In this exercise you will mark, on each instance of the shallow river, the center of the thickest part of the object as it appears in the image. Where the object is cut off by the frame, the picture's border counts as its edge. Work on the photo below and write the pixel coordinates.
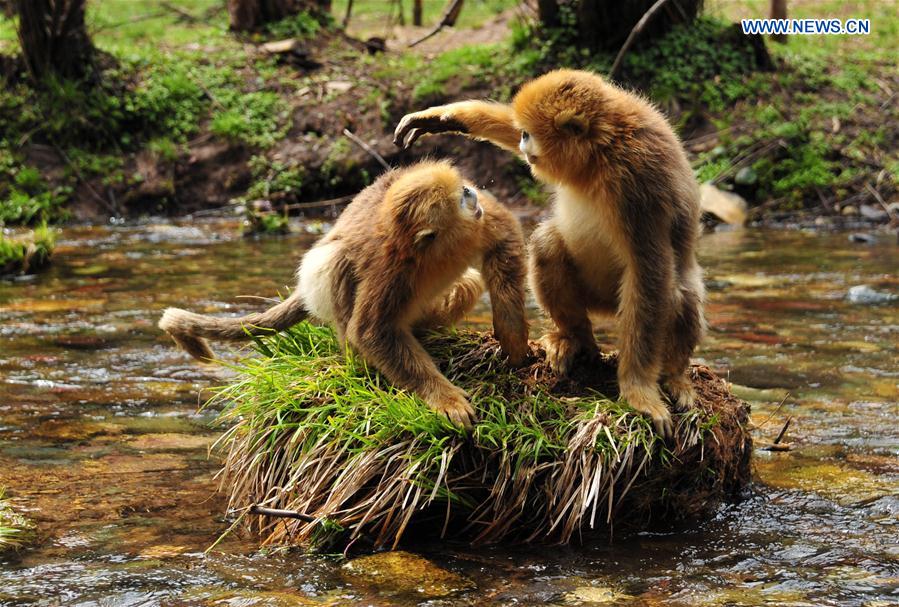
(102, 444)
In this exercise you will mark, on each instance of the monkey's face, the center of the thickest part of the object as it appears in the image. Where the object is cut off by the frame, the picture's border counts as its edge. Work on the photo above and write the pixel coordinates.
(435, 209)
(558, 115)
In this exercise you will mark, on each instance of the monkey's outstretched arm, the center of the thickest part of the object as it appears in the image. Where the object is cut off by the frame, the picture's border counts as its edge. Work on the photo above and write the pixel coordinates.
(477, 119)
(377, 331)
(188, 328)
(504, 272)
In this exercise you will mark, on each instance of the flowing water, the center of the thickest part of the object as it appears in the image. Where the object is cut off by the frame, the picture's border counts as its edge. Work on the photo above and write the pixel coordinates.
(103, 445)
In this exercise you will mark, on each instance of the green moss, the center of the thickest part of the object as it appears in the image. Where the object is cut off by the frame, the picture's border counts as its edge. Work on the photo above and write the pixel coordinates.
(15, 529)
(257, 119)
(28, 252)
(272, 177)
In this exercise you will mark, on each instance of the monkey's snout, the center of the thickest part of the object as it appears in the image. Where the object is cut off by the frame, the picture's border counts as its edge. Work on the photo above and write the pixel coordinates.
(478, 212)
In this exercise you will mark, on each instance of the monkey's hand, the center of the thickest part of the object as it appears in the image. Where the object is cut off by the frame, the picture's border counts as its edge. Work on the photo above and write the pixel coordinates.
(647, 400)
(433, 120)
(452, 402)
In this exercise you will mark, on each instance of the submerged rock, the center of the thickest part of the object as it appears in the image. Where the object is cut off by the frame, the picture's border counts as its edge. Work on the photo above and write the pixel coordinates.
(405, 573)
(863, 294)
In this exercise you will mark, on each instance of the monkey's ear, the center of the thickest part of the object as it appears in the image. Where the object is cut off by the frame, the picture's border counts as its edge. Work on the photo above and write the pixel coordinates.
(426, 236)
(572, 123)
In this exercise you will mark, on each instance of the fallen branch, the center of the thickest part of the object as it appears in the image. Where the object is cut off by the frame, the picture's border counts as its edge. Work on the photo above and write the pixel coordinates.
(450, 15)
(281, 513)
(633, 36)
(371, 151)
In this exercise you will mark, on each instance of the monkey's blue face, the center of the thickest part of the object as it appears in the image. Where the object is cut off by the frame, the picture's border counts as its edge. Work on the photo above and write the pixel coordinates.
(469, 202)
(529, 148)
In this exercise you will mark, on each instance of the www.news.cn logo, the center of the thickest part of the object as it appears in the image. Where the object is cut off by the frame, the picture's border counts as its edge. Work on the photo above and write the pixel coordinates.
(808, 27)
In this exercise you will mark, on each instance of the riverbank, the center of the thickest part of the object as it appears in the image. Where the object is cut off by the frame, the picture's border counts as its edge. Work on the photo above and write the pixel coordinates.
(193, 118)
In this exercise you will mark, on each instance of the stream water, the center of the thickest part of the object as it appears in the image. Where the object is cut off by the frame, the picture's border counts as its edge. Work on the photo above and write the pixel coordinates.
(102, 443)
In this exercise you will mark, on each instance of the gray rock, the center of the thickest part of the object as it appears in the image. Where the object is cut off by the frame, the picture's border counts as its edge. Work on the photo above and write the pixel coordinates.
(863, 294)
(746, 176)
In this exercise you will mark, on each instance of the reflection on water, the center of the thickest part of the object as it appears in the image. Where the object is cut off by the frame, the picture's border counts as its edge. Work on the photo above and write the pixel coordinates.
(102, 443)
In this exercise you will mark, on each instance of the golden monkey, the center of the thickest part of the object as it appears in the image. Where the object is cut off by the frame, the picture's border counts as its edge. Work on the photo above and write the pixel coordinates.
(622, 239)
(402, 256)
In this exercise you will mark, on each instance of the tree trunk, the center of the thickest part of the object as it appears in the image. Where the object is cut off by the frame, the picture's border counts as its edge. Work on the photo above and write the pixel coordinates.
(54, 39)
(417, 8)
(548, 12)
(7, 8)
(605, 24)
(779, 11)
(248, 15)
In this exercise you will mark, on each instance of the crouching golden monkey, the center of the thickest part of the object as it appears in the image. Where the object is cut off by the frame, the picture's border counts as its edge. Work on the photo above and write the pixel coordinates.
(401, 256)
(623, 236)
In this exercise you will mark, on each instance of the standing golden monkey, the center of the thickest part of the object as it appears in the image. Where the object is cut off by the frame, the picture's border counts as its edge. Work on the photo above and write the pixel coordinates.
(623, 236)
(401, 256)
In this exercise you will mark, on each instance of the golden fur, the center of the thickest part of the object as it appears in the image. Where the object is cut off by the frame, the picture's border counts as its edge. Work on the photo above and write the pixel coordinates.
(623, 236)
(401, 256)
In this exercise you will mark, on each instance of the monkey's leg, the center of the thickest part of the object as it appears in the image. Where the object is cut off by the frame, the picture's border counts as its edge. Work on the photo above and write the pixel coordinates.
(396, 353)
(477, 119)
(686, 330)
(554, 279)
(449, 309)
(504, 270)
(644, 306)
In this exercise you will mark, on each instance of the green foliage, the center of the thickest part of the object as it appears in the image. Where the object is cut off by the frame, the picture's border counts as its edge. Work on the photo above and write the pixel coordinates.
(26, 198)
(20, 254)
(15, 529)
(302, 25)
(272, 177)
(701, 62)
(257, 119)
(475, 63)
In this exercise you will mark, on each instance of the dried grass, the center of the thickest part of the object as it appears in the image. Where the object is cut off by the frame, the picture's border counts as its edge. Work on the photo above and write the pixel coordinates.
(317, 433)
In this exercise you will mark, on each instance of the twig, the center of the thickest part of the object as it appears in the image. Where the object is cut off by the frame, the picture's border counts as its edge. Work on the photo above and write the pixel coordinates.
(783, 430)
(282, 513)
(773, 413)
(633, 35)
(78, 175)
(349, 12)
(371, 151)
(880, 199)
(299, 206)
(186, 15)
(447, 20)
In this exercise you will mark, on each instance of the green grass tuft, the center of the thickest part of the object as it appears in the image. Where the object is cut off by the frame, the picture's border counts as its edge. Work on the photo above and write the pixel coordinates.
(28, 252)
(15, 529)
(318, 432)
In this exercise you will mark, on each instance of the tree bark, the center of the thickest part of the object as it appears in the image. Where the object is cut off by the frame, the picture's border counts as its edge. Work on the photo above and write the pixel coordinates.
(779, 11)
(548, 12)
(248, 15)
(54, 38)
(605, 24)
(417, 9)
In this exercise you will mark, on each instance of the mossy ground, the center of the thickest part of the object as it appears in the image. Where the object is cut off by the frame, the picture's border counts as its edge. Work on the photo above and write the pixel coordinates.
(319, 433)
(190, 115)
(26, 252)
(15, 529)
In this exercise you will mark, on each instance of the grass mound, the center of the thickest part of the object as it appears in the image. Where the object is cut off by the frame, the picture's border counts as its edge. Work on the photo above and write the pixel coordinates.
(28, 252)
(321, 435)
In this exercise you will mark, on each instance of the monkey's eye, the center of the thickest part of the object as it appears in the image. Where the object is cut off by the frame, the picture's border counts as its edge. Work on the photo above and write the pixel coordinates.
(525, 135)
(469, 198)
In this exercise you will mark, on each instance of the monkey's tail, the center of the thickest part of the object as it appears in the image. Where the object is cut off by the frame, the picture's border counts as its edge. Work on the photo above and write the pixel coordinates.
(189, 329)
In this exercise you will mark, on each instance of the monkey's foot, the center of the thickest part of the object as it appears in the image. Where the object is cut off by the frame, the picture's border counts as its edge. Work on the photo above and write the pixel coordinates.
(680, 389)
(561, 351)
(454, 405)
(516, 349)
(646, 399)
